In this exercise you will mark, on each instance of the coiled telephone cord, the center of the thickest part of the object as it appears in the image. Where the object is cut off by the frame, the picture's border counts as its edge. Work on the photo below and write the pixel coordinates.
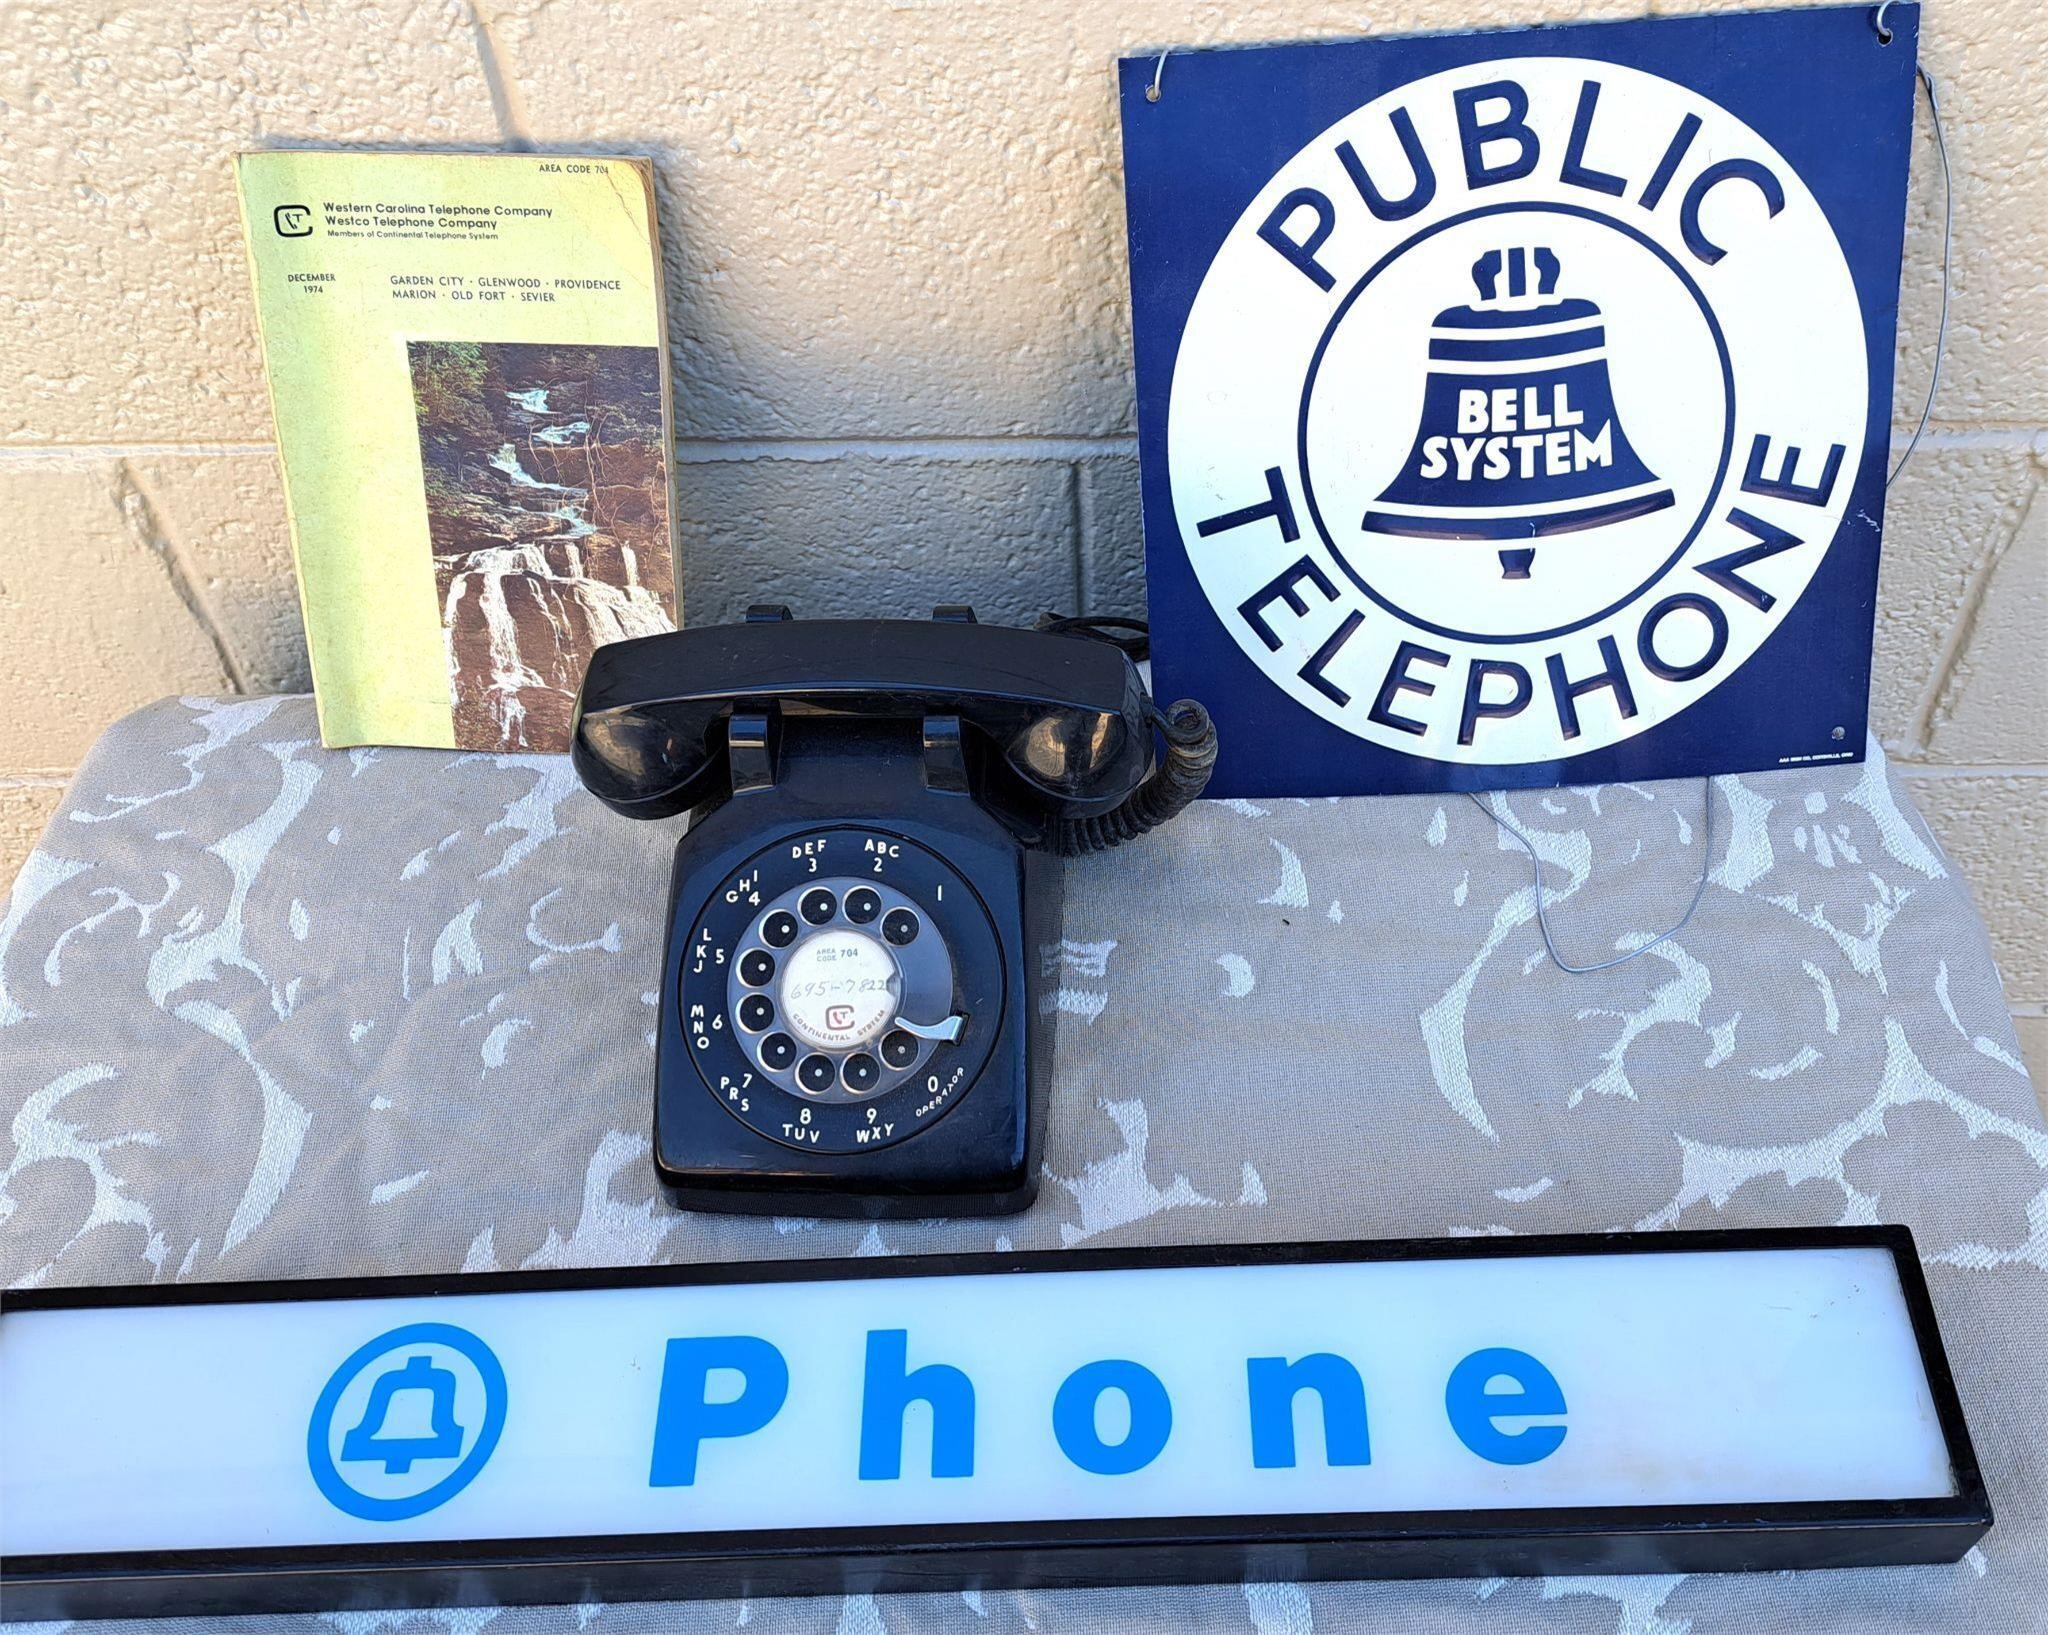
(1176, 783)
(1179, 779)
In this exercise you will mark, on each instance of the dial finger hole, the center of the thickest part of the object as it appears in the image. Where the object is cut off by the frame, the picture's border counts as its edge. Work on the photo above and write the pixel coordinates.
(817, 906)
(816, 1074)
(757, 968)
(863, 903)
(861, 1072)
(757, 1010)
(778, 1050)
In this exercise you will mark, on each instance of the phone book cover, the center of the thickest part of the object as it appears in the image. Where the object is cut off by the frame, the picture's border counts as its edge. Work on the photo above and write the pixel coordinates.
(467, 362)
(1514, 407)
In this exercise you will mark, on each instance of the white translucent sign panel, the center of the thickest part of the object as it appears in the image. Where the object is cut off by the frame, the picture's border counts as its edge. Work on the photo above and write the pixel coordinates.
(1692, 1378)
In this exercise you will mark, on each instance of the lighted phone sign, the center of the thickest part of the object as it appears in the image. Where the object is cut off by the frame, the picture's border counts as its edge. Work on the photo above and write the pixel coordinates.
(1334, 1387)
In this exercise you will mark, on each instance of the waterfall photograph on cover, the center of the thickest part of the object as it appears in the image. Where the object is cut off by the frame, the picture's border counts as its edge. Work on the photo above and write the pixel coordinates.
(547, 507)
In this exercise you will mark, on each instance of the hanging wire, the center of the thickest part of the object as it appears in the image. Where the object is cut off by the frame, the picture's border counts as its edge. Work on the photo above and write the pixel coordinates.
(1159, 68)
(1948, 235)
(1536, 874)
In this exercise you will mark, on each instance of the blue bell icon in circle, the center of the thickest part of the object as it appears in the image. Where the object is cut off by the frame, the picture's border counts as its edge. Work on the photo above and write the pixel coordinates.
(1519, 436)
(373, 1438)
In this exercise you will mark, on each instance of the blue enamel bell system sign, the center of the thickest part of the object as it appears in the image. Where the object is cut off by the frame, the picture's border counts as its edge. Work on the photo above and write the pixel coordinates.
(1513, 408)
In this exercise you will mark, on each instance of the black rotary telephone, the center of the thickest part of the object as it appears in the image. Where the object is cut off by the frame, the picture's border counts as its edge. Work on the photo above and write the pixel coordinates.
(850, 1007)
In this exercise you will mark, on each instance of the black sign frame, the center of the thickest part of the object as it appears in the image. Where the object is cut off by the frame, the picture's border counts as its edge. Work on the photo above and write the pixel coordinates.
(1076, 1554)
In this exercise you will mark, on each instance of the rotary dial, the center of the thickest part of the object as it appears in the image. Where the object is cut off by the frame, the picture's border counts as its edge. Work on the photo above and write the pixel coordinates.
(842, 989)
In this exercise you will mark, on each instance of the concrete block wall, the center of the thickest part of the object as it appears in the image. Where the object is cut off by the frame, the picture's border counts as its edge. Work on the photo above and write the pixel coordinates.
(894, 234)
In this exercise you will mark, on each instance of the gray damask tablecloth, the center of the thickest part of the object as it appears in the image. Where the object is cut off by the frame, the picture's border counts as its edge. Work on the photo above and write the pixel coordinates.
(273, 1011)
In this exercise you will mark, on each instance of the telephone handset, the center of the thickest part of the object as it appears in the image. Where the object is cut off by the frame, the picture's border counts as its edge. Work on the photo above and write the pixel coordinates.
(850, 1019)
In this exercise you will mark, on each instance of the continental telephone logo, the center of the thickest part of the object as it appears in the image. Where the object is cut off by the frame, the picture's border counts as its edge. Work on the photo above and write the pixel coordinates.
(1517, 410)
(293, 220)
